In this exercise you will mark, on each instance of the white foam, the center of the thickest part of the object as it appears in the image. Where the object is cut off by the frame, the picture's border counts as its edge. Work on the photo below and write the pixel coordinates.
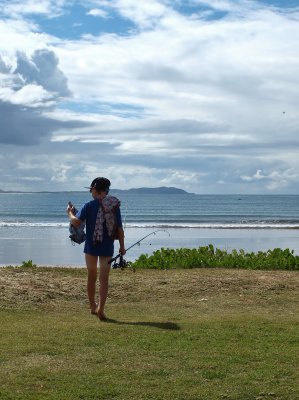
(202, 225)
(7, 224)
(178, 225)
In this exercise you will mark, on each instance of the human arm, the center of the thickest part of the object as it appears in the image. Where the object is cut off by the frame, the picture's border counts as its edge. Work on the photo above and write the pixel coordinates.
(73, 219)
(121, 239)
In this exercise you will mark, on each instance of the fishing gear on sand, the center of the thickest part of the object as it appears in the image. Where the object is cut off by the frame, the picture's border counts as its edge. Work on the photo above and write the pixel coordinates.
(122, 263)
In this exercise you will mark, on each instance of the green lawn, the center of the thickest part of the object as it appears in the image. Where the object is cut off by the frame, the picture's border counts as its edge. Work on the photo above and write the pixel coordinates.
(180, 334)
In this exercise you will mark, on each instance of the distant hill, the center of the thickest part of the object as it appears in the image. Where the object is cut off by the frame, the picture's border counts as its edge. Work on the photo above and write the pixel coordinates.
(156, 190)
(143, 190)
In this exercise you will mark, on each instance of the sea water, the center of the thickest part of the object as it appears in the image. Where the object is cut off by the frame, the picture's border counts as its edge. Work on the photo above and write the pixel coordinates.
(34, 226)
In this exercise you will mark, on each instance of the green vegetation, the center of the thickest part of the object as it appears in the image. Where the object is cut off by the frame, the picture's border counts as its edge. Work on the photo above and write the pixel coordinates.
(181, 334)
(28, 264)
(208, 256)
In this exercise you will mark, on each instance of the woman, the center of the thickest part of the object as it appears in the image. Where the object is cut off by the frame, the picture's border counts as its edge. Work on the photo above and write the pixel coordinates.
(103, 225)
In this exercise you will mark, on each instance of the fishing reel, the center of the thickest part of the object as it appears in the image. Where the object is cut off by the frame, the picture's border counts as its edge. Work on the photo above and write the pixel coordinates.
(122, 264)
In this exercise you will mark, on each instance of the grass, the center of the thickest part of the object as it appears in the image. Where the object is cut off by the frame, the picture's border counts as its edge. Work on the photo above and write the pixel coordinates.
(175, 334)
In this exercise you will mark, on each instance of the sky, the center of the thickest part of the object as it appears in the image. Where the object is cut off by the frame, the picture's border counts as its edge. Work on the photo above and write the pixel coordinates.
(199, 95)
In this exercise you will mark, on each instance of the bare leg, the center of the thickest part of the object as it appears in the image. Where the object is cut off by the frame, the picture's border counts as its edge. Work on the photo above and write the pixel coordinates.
(104, 282)
(91, 264)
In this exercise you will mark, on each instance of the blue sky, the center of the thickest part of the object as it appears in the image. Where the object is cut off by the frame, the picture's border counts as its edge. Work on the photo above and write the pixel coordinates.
(201, 95)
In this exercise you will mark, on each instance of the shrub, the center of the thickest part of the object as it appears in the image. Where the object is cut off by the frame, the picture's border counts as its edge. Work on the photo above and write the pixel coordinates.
(28, 264)
(208, 256)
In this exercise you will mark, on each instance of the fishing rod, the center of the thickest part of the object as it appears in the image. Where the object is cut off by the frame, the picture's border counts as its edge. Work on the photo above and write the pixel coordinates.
(138, 242)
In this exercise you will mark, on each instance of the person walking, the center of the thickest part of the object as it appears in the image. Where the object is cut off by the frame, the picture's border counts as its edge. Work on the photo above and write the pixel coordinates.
(102, 217)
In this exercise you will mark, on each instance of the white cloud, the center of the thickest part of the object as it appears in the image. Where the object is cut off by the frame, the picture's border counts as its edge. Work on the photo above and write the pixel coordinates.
(97, 12)
(182, 97)
(256, 177)
(43, 69)
(61, 173)
(28, 95)
(274, 179)
(144, 13)
(23, 35)
(207, 70)
(32, 178)
(15, 8)
(26, 91)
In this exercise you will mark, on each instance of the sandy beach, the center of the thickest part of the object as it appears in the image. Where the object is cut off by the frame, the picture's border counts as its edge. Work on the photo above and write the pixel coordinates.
(53, 247)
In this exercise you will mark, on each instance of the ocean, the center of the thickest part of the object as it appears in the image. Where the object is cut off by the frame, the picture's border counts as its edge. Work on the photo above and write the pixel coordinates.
(34, 226)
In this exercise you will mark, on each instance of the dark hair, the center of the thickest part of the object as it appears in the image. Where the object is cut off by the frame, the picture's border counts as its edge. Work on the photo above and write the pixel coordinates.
(100, 184)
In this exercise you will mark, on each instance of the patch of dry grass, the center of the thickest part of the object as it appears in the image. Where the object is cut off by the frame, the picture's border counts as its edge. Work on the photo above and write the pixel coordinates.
(208, 288)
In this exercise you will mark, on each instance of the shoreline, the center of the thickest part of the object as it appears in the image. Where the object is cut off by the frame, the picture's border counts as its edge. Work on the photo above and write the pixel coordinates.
(52, 247)
(169, 225)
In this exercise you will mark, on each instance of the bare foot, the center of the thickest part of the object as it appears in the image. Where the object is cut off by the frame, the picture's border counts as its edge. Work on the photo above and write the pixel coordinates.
(94, 309)
(102, 316)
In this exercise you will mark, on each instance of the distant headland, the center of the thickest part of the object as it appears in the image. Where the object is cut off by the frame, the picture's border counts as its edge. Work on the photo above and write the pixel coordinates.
(155, 190)
(142, 190)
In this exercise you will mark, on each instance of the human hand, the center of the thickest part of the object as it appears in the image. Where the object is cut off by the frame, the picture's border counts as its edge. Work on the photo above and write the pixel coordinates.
(70, 207)
(122, 250)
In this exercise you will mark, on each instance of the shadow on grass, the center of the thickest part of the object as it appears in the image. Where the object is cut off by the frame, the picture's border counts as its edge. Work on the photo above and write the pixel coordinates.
(160, 325)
